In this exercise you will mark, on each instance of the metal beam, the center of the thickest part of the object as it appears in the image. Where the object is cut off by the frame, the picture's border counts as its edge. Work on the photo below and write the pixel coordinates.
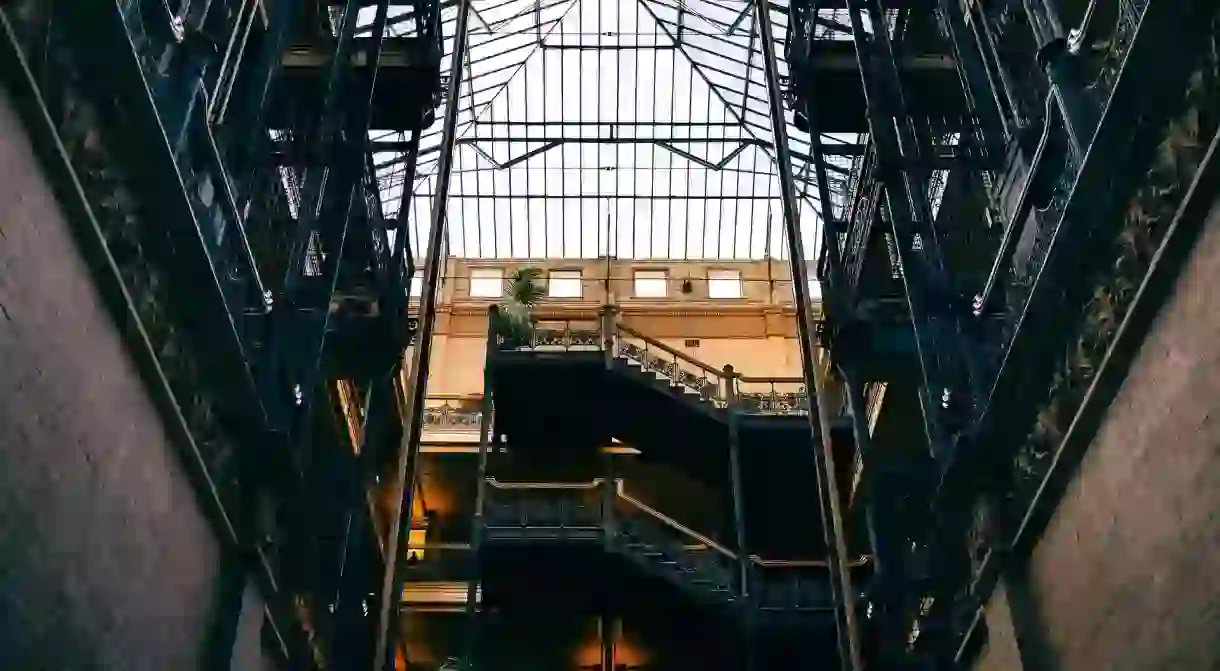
(832, 520)
(594, 196)
(417, 376)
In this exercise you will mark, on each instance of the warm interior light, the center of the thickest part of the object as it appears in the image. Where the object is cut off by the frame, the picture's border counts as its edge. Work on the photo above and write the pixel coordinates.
(416, 538)
(349, 404)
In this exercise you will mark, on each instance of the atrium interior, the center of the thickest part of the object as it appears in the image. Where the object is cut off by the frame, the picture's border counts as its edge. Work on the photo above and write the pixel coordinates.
(614, 335)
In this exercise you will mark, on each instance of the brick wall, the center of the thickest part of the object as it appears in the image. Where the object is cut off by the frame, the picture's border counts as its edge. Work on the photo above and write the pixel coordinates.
(1125, 576)
(106, 561)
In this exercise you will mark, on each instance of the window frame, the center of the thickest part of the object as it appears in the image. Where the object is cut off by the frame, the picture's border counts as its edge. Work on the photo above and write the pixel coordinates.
(579, 280)
(736, 279)
(486, 269)
(663, 279)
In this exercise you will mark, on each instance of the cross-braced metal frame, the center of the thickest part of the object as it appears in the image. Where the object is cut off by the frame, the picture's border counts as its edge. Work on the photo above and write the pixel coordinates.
(591, 128)
(588, 128)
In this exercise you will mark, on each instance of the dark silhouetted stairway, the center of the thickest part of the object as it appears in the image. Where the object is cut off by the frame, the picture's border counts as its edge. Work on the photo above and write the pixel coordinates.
(606, 381)
(780, 593)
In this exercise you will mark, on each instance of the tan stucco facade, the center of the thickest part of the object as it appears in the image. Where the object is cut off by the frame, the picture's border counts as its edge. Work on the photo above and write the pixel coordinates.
(755, 333)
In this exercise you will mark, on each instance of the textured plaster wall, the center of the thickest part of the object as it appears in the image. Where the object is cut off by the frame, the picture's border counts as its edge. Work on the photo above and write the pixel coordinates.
(106, 561)
(1125, 575)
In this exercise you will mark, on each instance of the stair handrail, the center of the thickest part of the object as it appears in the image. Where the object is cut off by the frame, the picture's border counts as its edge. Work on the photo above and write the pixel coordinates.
(777, 379)
(860, 560)
(674, 524)
(593, 484)
(731, 379)
(670, 350)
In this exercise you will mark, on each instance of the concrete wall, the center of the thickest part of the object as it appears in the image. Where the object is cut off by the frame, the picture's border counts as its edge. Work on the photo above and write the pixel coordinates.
(249, 653)
(1125, 576)
(1000, 651)
(106, 561)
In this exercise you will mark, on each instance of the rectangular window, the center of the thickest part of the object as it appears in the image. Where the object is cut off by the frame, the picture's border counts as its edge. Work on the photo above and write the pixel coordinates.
(486, 282)
(815, 290)
(724, 284)
(417, 287)
(650, 284)
(564, 284)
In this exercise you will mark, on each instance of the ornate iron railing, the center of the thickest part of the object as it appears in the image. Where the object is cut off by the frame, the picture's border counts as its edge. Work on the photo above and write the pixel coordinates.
(679, 368)
(721, 387)
(1142, 228)
(452, 413)
(557, 334)
(770, 396)
(524, 511)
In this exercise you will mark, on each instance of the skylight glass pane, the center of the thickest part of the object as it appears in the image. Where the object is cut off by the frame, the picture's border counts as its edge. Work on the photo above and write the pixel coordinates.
(564, 284)
(630, 129)
(650, 284)
(724, 284)
(486, 282)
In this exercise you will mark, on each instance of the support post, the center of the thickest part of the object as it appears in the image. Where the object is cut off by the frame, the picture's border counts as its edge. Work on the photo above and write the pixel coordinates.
(473, 607)
(1080, 114)
(609, 491)
(408, 453)
(609, 317)
(739, 515)
(832, 521)
(607, 628)
(882, 521)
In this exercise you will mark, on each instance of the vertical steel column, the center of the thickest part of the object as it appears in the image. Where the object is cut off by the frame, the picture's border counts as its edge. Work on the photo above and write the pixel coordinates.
(417, 378)
(316, 178)
(944, 361)
(837, 305)
(832, 521)
(607, 630)
(473, 609)
(739, 514)
(609, 494)
(940, 346)
(976, 78)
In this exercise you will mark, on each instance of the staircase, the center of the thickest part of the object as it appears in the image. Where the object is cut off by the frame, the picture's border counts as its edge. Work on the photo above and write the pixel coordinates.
(636, 356)
(779, 592)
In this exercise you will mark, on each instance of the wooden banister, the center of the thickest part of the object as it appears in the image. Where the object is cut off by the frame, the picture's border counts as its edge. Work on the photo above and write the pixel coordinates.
(670, 350)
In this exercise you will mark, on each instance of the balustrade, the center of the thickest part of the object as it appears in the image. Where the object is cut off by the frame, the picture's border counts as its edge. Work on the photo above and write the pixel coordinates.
(460, 413)
(544, 510)
(752, 395)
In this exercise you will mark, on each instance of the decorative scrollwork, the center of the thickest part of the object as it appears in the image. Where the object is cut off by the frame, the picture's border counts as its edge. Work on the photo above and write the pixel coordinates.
(565, 338)
(708, 388)
(774, 403)
(452, 417)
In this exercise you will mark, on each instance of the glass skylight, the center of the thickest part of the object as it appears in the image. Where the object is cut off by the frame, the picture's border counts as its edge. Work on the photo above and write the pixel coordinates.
(636, 129)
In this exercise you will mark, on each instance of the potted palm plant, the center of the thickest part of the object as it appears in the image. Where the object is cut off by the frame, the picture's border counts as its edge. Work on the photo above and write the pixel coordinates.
(514, 321)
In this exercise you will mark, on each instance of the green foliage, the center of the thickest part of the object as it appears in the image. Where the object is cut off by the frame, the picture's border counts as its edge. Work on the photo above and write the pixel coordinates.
(515, 320)
(1146, 220)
